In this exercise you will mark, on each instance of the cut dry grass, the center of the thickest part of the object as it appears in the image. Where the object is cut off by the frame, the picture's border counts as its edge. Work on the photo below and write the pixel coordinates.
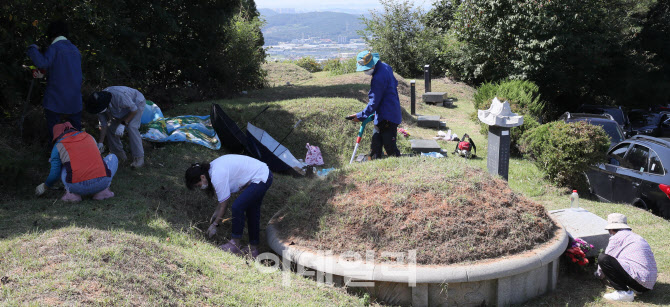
(457, 214)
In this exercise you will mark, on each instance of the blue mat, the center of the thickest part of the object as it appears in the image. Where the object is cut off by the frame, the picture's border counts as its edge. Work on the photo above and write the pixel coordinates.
(186, 128)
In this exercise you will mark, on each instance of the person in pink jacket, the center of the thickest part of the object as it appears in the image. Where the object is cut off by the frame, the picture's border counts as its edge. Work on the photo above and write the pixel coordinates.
(628, 263)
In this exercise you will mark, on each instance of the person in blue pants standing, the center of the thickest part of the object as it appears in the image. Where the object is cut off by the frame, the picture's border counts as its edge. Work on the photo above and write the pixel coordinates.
(230, 174)
(62, 62)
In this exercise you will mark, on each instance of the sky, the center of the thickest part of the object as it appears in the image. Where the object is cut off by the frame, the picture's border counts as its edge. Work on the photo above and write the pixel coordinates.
(320, 5)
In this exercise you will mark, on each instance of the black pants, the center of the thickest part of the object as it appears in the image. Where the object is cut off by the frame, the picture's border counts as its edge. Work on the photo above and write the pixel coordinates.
(617, 276)
(386, 138)
(54, 118)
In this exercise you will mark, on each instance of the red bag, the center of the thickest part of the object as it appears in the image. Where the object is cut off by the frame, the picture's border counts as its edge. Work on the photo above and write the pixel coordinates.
(464, 145)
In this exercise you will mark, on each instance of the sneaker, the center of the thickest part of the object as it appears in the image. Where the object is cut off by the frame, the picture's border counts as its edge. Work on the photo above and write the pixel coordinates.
(104, 194)
(251, 251)
(620, 296)
(137, 162)
(230, 247)
(70, 197)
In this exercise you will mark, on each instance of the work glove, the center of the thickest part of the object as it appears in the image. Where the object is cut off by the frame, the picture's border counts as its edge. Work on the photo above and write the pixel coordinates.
(120, 129)
(101, 147)
(211, 231)
(38, 73)
(40, 189)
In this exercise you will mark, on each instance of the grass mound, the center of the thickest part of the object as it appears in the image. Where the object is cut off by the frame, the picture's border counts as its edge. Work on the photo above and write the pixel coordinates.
(85, 266)
(280, 73)
(448, 211)
(97, 267)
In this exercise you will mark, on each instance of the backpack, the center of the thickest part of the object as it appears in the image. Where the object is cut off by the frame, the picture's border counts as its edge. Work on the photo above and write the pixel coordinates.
(464, 147)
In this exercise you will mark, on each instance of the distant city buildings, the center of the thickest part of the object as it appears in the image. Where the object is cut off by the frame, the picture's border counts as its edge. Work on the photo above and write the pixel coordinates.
(321, 49)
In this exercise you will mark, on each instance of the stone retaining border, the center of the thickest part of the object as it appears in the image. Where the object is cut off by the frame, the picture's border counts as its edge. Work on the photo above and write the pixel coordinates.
(503, 281)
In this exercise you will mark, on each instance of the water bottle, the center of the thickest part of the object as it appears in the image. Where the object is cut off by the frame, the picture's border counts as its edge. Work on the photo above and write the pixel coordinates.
(574, 199)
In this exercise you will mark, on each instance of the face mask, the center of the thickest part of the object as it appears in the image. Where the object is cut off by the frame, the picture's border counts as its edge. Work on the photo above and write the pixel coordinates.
(369, 72)
(204, 186)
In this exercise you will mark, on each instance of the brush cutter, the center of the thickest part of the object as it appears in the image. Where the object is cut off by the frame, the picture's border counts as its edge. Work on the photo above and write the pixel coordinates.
(37, 74)
(360, 133)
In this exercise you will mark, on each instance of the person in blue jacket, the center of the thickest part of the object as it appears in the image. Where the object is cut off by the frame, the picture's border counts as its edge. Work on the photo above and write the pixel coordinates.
(384, 100)
(62, 61)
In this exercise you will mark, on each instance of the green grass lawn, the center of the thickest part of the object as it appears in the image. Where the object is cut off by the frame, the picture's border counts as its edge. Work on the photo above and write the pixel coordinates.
(146, 245)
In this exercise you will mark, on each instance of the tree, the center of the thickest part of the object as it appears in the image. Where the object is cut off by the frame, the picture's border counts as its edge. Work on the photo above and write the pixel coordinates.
(575, 50)
(181, 50)
(399, 36)
(441, 15)
(654, 41)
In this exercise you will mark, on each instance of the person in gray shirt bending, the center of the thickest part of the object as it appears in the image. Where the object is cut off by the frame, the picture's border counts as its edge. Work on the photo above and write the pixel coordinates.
(119, 108)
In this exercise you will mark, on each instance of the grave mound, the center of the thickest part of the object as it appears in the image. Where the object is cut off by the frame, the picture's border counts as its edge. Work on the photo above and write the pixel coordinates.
(445, 209)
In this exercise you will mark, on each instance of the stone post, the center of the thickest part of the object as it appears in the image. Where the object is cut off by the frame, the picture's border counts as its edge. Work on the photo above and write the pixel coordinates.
(426, 77)
(500, 119)
(498, 154)
(413, 96)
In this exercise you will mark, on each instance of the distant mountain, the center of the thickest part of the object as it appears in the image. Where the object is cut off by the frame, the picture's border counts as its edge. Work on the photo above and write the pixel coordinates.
(267, 12)
(337, 9)
(326, 25)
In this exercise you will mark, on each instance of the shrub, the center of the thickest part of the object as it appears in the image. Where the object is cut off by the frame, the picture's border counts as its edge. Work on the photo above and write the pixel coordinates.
(515, 132)
(565, 150)
(524, 99)
(309, 63)
(337, 67)
(523, 96)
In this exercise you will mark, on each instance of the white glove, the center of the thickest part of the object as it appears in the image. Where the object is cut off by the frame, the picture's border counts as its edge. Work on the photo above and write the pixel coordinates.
(211, 231)
(40, 189)
(37, 74)
(101, 147)
(120, 129)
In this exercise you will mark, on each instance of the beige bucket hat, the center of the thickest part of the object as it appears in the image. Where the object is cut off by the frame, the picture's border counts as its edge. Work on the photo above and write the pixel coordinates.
(617, 221)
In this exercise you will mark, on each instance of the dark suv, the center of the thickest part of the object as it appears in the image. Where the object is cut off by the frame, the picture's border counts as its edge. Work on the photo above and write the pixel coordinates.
(635, 173)
(649, 123)
(605, 121)
(617, 113)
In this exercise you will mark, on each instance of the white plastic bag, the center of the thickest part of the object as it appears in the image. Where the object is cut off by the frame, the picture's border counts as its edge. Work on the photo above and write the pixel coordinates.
(313, 156)
(445, 136)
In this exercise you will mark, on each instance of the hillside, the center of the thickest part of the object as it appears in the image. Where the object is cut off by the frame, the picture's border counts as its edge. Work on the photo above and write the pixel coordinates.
(326, 25)
(146, 246)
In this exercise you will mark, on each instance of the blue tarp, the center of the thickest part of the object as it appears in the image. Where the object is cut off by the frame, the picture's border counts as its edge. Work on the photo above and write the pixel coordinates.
(151, 113)
(186, 128)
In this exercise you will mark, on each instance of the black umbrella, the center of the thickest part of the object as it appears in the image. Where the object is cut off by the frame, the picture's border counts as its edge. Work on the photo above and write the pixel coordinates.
(273, 153)
(230, 135)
